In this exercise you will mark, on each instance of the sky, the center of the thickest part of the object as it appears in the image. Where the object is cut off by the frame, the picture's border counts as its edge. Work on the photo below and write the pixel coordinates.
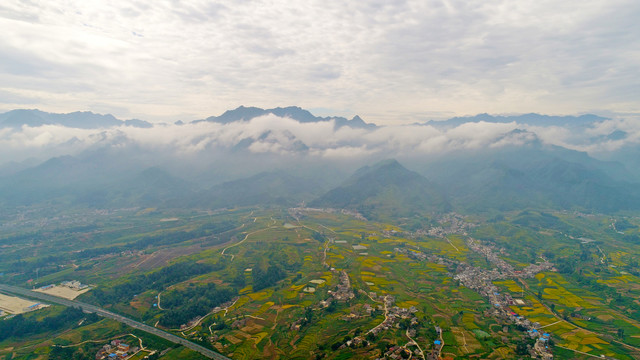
(391, 62)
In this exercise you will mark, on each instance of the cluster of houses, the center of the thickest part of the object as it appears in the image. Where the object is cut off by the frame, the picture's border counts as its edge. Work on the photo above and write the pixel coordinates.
(398, 352)
(74, 284)
(488, 252)
(393, 315)
(344, 291)
(451, 223)
(481, 281)
(420, 256)
(116, 350)
(541, 346)
(533, 269)
(412, 254)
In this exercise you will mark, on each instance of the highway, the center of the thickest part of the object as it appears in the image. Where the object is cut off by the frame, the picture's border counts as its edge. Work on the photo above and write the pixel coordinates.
(108, 314)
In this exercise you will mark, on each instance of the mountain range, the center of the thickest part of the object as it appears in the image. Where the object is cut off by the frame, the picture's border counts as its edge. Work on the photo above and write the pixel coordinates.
(267, 165)
(78, 119)
(526, 119)
(90, 120)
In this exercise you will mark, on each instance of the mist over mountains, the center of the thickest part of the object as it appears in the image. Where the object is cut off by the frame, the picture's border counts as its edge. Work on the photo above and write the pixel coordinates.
(285, 156)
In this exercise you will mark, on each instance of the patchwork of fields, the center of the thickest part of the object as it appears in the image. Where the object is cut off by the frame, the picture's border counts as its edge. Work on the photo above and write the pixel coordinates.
(330, 285)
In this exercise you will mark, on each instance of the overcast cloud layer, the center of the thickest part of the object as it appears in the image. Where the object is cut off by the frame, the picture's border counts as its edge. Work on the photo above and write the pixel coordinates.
(390, 62)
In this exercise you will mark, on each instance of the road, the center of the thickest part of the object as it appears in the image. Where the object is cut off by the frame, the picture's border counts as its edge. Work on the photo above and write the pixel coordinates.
(243, 240)
(386, 314)
(108, 314)
(441, 345)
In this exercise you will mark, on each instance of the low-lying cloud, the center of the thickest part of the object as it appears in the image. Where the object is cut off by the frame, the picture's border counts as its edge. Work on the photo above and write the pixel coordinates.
(284, 136)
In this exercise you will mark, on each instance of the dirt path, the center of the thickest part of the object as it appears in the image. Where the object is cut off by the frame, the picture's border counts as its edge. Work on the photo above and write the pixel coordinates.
(328, 228)
(464, 340)
(324, 256)
(103, 341)
(202, 318)
(159, 307)
(604, 257)
(579, 352)
(441, 344)
(413, 342)
(542, 327)
(450, 243)
(275, 321)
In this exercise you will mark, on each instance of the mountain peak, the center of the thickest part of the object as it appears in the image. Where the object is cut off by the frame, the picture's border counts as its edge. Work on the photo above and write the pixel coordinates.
(243, 113)
(385, 188)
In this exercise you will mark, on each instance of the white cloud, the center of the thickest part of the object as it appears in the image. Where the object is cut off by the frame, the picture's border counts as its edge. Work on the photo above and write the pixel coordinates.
(270, 134)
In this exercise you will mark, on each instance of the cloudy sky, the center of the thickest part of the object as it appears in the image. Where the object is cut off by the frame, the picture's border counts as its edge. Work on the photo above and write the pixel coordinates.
(389, 61)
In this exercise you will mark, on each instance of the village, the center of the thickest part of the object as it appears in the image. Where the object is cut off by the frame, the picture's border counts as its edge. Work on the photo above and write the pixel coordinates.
(475, 278)
(116, 350)
(481, 281)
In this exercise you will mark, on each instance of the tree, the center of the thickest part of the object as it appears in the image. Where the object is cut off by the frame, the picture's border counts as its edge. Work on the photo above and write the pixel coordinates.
(318, 236)
(239, 280)
(371, 337)
(263, 279)
(522, 348)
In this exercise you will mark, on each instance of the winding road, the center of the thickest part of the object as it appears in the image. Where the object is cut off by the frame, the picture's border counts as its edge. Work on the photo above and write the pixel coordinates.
(240, 242)
(108, 314)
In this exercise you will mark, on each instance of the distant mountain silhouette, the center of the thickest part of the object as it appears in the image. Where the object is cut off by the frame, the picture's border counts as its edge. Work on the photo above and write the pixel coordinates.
(78, 119)
(243, 113)
(527, 119)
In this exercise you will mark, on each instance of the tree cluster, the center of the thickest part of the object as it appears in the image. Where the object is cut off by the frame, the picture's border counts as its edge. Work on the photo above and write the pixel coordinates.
(23, 326)
(185, 305)
(157, 281)
(263, 279)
